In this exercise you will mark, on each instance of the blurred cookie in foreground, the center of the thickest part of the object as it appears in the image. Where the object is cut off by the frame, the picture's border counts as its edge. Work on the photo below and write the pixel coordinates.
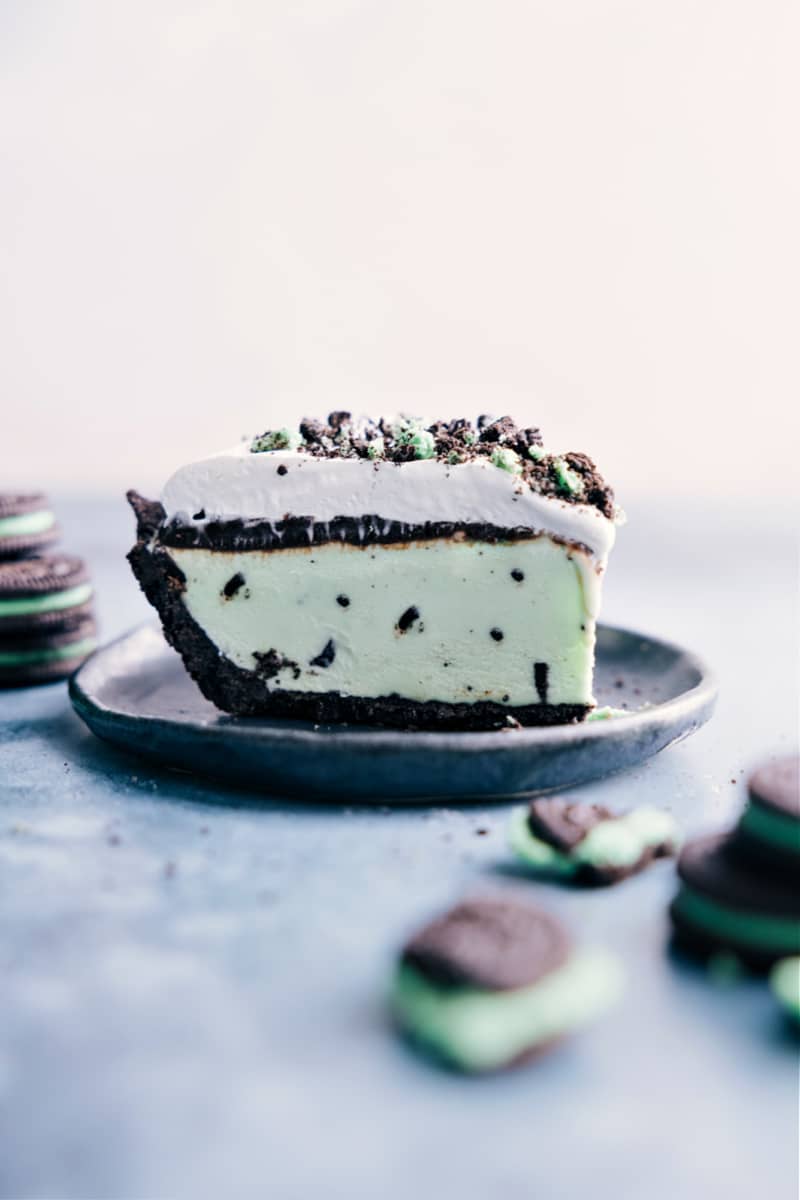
(784, 980)
(47, 654)
(589, 843)
(494, 982)
(46, 592)
(27, 524)
(724, 904)
(768, 833)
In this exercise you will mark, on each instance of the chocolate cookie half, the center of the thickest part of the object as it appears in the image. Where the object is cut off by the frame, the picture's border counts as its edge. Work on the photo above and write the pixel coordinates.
(588, 843)
(46, 655)
(43, 593)
(723, 904)
(494, 981)
(27, 524)
(768, 833)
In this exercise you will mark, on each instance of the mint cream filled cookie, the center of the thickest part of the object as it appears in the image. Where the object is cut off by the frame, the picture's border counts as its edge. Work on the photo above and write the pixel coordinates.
(494, 982)
(27, 524)
(50, 591)
(589, 843)
(768, 832)
(726, 904)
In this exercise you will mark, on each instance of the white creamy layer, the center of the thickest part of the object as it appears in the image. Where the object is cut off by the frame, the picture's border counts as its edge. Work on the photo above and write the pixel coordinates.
(462, 591)
(246, 485)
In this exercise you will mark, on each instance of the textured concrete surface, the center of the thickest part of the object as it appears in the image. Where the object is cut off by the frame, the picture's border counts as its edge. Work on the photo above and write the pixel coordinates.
(192, 979)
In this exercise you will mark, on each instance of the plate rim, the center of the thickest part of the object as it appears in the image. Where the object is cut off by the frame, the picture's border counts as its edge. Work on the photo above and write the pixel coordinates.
(697, 698)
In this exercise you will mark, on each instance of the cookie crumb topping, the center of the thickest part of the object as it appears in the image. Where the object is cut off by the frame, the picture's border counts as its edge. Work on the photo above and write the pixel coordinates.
(570, 477)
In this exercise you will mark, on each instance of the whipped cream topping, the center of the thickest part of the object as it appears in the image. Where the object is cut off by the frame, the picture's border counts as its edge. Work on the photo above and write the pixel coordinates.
(239, 484)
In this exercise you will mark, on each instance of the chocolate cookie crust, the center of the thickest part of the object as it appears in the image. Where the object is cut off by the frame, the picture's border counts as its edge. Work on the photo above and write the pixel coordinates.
(490, 943)
(247, 693)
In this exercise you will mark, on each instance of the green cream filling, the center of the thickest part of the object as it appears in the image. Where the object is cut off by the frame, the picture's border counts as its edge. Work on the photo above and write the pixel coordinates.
(52, 602)
(479, 1030)
(617, 843)
(26, 523)
(784, 980)
(607, 713)
(756, 931)
(779, 829)
(460, 590)
(18, 658)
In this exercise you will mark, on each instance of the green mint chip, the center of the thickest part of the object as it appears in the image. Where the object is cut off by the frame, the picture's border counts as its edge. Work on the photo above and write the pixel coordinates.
(423, 443)
(506, 460)
(537, 453)
(376, 448)
(275, 439)
(569, 481)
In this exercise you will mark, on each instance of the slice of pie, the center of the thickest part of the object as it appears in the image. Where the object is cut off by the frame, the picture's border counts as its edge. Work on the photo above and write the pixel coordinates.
(389, 573)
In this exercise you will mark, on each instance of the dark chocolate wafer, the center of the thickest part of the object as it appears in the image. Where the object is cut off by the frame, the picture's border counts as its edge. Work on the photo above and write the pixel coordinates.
(492, 943)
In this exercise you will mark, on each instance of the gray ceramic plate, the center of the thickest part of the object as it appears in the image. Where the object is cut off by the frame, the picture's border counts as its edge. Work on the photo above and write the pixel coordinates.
(136, 694)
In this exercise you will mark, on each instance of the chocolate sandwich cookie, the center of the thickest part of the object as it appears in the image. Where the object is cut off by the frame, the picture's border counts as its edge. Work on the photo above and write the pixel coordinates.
(45, 655)
(768, 833)
(42, 593)
(494, 981)
(588, 843)
(784, 981)
(724, 904)
(26, 524)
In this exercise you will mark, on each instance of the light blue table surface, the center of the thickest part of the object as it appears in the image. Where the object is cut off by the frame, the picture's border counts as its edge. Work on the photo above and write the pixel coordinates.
(192, 980)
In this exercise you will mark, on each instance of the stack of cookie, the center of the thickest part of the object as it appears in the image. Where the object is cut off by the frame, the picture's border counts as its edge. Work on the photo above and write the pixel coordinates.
(46, 624)
(739, 889)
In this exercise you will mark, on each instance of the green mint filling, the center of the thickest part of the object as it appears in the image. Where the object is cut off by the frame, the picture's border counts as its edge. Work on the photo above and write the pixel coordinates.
(617, 843)
(506, 460)
(533, 850)
(784, 981)
(569, 481)
(757, 931)
(537, 453)
(607, 713)
(52, 602)
(479, 1030)
(275, 439)
(26, 523)
(16, 658)
(376, 448)
(778, 829)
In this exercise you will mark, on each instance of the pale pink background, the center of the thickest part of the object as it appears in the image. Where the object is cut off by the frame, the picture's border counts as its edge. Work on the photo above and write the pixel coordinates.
(216, 216)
